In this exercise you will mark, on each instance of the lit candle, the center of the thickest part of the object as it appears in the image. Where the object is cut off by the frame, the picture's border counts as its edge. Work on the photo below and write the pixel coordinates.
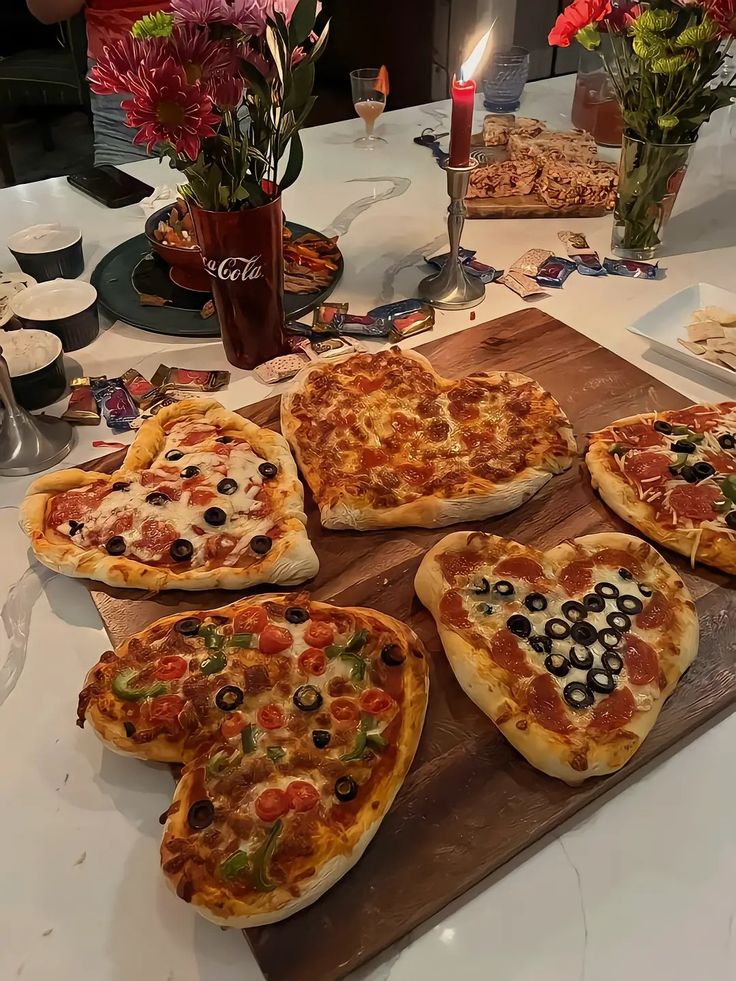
(463, 103)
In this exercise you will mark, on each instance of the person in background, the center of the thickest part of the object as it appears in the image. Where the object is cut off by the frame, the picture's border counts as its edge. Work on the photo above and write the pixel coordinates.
(107, 20)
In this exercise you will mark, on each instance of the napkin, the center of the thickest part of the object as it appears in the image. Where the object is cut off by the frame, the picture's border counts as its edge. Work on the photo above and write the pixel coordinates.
(160, 198)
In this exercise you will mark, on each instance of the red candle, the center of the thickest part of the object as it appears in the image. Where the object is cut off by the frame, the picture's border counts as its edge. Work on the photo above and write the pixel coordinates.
(461, 128)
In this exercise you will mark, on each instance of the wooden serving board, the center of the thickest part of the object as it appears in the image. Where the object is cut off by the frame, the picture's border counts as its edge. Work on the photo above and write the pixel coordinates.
(470, 802)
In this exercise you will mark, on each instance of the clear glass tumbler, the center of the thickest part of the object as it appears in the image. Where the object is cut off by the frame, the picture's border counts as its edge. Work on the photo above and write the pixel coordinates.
(505, 79)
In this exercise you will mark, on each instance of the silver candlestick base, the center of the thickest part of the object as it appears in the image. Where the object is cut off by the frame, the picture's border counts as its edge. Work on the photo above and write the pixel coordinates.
(453, 288)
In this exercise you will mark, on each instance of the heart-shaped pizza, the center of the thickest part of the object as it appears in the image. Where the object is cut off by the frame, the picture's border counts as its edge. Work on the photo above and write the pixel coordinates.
(384, 441)
(570, 652)
(204, 499)
(673, 476)
(297, 722)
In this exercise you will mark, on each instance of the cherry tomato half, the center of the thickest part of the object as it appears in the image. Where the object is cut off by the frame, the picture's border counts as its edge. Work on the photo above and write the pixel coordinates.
(233, 725)
(312, 661)
(376, 702)
(319, 634)
(272, 804)
(271, 716)
(251, 620)
(274, 639)
(345, 710)
(302, 796)
(170, 668)
(166, 708)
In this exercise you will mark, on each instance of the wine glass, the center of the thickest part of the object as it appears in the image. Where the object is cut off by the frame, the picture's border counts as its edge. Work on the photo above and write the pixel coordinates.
(368, 101)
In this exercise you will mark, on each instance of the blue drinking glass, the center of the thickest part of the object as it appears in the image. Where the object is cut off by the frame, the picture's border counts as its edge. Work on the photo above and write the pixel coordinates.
(506, 77)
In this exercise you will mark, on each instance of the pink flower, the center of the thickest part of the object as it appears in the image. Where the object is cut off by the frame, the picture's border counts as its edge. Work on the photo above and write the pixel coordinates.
(165, 108)
(121, 62)
(723, 13)
(226, 93)
(285, 7)
(579, 15)
(200, 56)
(248, 16)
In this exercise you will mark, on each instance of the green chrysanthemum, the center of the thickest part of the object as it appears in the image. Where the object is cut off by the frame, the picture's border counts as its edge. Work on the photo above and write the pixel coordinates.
(667, 122)
(698, 35)
(650, 47)
(153, 25)
(589, 37)
(670, 64)
(658, 21)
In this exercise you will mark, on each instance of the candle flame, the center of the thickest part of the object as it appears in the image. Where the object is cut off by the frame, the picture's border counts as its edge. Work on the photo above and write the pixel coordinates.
(471, 64)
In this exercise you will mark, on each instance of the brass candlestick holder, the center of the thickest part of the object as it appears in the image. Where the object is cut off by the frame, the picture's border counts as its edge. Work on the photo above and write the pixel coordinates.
(453, 288)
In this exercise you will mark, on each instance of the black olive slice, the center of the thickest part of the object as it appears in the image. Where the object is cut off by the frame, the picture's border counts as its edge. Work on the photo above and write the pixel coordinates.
(75, 527)
(612, 662)
(625, 574)
(189, 627)
(346, 789)
(227, 486)
(683, 446)
(224, 439)
(261, 544)
(606, 589)
(215, 516)
(609, 637)
(485, 608)
(542, 645)
(535, 602)
(645, 590)
(688, 474)
(519, 625)
(129, 729)
(181, 550)
(557, 664)
(629, 604)
(392, 655)
(120, 485)
(268, 470)
(158, 498)
(188, 472)
(557, 629)
(503, 588)
(619, 621)
(174, 455)
(660, 426)
(574, 611)
(321, 738)
(731, 519)
(594, 603)
(600, 680)
(584, 633)
(577, 695)
(296, 614)
(115, 545)
(307, 698)
(703, 470)
(581, 658)
(480, 586)
(229, 698)
(201, 814)
(727, 441)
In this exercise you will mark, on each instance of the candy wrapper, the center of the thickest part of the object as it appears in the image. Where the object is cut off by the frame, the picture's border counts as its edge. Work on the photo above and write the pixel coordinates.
(139, 388)
(438, 261)
(522, 285)
(113, 401)
(405, 318)
(189, 379)
(631, 268)
(531, 262)
(326, 348)
(281, 369)
(485, 273)
(361, 326)
(554, 272)
(590, 265)
(82, 408)
(325, 314)
(575, 244)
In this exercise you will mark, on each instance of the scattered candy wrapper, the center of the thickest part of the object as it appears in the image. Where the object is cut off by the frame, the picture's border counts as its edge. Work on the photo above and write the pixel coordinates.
(438, 261)
(113, 401)
(326, 348)
(590, 265)
(191, 379)
(531, 262)
(575, 244)
(139, 388)
(399, 308)
(280, 369)
(631, 268)
(485, 273)
(522, 285)
(297, 327)
(360, 326)
(554, 272)
(325, 314)
(82, 408)
(411, 323)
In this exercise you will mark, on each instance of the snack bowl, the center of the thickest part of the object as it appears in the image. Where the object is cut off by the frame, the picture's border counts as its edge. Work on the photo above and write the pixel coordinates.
(49, 251)
(64, 307)
(36, 364)
(186, 266)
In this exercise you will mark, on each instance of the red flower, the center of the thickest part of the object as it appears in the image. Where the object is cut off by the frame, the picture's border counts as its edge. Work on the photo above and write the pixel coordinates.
(199, 56)
(165, 108)
(723, 13)
(580, 14)
(226, 93)
(121, 62)
(622, 16)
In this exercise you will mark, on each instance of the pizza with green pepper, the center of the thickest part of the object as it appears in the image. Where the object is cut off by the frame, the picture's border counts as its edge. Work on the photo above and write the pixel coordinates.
(297, 722)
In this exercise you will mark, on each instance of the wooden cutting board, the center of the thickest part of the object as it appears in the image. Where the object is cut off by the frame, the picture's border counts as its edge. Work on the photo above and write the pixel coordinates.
(470, 802)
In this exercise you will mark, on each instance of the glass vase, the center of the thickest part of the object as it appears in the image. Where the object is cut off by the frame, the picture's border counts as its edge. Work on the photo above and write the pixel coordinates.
(595, 107)
(650, 177)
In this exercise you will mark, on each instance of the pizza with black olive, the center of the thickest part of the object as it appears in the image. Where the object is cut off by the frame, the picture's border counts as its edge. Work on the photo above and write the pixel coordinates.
(570, 652)
(297, 722)
(673, 476)
(384, 441)
(204, 499)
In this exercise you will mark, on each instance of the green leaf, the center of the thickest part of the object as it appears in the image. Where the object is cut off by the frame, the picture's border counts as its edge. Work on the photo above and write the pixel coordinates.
(255, 80)
(276, 48)
(299, 86)
(319, 45)
(294, 166)
(589, 37)
(302, 22)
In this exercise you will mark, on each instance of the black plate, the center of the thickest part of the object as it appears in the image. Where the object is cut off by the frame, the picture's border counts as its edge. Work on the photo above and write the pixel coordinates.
(113, 280)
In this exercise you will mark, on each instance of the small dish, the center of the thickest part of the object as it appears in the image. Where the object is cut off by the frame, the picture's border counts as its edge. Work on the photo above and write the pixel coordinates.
(62, 306)
(36, 364)
(48, 251)
(186, 266)
(10, 284)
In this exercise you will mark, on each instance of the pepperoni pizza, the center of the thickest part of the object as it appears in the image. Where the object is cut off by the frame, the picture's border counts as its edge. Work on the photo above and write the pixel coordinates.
(384, 441)
(571, 652)
(204, 499)
(297, 722)
(673, 476)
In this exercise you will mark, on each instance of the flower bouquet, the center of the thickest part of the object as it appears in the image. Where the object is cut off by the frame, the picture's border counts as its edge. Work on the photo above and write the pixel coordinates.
(666, 65)
(221, 88)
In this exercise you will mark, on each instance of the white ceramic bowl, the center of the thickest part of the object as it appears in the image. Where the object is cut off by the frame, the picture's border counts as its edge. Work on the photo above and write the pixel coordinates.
(65, 307)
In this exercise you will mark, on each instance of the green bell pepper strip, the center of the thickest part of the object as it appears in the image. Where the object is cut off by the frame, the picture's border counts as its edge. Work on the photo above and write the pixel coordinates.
(221, 761)
(349, 652)
(213, 664)
(213, 640)
(249, 738)
(688, 433)
(242, 640)
(275, 753)
(262, 859)
(679, 462)
(122, 688)
(357, 641)
(236, 863)
(367, 735)
(722, 505)
(728, 487)
(618, 449)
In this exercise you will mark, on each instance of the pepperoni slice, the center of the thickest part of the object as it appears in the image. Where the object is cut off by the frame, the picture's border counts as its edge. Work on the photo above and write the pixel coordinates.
(274, 639)
(166, 708)
(319, 634)
(475, 439)
(303, 796)
(641, 662)
(404, 425)
(616, 558)
(577, 576)
(640, 435)
(251, 620)
(156, 535)
(121, 524)
(198, 435)
(312, 661)
(462, 411)
(218, 547)
(272, 804)
(375, 701)
(656, 613)
(201, 496)
(452, 611)
(454, 564)
(367, 385)
(723, 462)
(697, 419)
(437, 431)
(504, 650)
(75, 505)
(520, 567)
(694, 501)
(613, 711)
(645, 466)
(414, 474)
(545, 705)
(371, 457)
(170, 667)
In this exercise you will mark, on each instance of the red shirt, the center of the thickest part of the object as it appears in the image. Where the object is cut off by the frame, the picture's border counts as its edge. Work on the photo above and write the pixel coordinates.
(110, 19)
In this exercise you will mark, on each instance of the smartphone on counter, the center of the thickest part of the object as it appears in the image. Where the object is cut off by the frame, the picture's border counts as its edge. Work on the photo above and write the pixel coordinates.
(110, 186)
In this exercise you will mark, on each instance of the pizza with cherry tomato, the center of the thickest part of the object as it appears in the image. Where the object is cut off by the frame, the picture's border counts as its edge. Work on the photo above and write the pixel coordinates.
(297, 722)
(204, 499)
(673, 476)
(570, 652)
(384, 441)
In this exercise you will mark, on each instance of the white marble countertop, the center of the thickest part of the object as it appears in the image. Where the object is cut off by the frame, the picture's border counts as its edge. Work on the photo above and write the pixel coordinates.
(639, 888)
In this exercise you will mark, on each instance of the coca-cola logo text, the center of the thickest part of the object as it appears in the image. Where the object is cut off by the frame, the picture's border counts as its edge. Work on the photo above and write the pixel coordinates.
(236, 268)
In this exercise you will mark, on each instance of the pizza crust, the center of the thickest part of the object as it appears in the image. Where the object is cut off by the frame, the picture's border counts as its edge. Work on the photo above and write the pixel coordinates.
(291, 561)
(430, 511)
(484, 683)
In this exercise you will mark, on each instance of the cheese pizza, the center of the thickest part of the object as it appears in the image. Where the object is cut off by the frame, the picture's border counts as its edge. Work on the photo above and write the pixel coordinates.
(571, 652)
(204, 499)
(673, 476)
(384, 441)
(297, 722)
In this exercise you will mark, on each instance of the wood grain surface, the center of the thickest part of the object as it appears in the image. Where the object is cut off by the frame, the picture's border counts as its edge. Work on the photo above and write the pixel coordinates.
(470, 802)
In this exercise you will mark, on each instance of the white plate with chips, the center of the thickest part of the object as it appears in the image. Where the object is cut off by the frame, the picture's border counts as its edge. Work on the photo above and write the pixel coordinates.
(667, 324)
